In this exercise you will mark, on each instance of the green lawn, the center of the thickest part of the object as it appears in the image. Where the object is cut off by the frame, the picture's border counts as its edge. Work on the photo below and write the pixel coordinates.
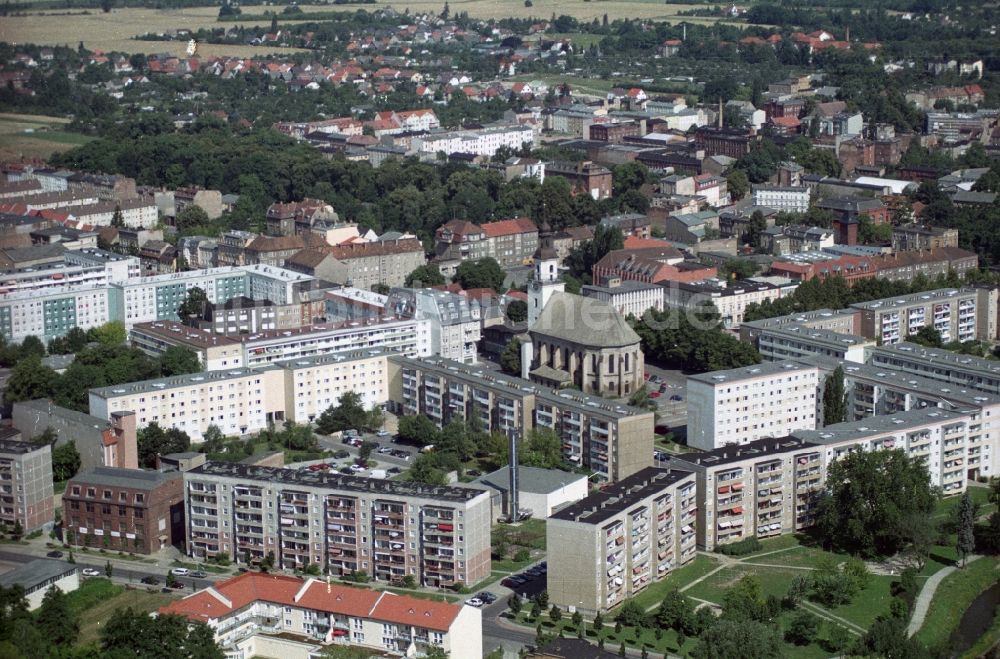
(773, 581)
(62, 137)
(953, 596)
(679, 578)
(437, 597)
(96, 600)
(579, 39)
(869, 603)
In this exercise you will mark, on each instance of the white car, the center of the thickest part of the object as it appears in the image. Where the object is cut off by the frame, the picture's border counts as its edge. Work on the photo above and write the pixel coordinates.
(383, 433)
(90, 572)
(385, 449)
(475, 601)
(357, 468)
(180, 571)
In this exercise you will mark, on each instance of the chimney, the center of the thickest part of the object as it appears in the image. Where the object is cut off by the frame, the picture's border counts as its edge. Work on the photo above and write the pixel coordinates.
(720, 112)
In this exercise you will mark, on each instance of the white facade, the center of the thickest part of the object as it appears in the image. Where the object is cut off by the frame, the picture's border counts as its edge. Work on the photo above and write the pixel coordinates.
(482, 142)
(48, 314)
(782, 198)
(545, 284)
(745, 404)
(629, 298)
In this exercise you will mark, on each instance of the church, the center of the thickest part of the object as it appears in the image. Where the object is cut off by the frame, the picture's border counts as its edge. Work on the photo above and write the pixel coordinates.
(576, 341)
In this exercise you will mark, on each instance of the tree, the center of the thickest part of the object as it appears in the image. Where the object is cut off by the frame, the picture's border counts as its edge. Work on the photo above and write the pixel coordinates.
(756, 228)
(581, 259)
(117, 220)
(190, 217)
(598, 623)
(797, 590)
(193, 304)
(178, 360)
(738, 184)
(517, 311)
(966, 542)
(55, 620)
(543, 449)
(730, 639)
(111, 333)
(744, 601)
(870, 233)
(555, 614)
(802, 628)
(154, 441)
(887, 637)
(830, 585)
(737, 269)
(424, 276)
(65, 461)
(510, 358)
(30, 380)
(484, 273)
(133, 633)
(870, 496)
(514, 603)
(927, 336)
(212, 440)
(676, 612)
(834, 398)
(418, 429)
(108, 569)
(346, 415)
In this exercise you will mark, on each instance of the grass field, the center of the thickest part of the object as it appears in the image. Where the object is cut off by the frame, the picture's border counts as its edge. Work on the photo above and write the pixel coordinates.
(44, 136)
(96, 599)
(115, 31)
(953, 596)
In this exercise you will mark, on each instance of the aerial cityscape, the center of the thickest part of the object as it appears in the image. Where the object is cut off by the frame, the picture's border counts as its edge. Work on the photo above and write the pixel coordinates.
(546, 329)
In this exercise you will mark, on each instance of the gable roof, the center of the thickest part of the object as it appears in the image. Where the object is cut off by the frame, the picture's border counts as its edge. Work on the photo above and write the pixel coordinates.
(508, 227)
(226, 597)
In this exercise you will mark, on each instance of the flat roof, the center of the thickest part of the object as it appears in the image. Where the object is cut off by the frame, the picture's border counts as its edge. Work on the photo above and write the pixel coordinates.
(802, 317)
(19, 446)
(763, 370)
(621, 496)
(945, 392)
(478, 376)
(35, 572)
(940, 357)
(531, 479)
(823, 337)
(760, 448)
(138, 479)
(336, 480)
(159, 384)
(230, 270)
(625, 286)
(853, 430)
(912, 298)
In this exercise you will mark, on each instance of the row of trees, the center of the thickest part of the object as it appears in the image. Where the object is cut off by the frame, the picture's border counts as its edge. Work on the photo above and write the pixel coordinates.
(692, 340)
(98, 365)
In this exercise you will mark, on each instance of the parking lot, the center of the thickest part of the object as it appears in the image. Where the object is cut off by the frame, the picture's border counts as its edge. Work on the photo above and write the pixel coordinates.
(529, 582)
(389, 454)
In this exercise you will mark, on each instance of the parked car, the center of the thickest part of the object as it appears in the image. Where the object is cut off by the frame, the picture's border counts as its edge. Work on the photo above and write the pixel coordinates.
(151, 580)
(90, 572)
(655, 394)
(475, 601)
(341, 454)
(677, 397)
(487, 597)
(350, 432)
(357, 468)
(474, 472)
(394, 470)
(385, 449)
(663, 388)
(383, 433)
(199, 574)
(54, 554)
(180, 572)
(403, 455)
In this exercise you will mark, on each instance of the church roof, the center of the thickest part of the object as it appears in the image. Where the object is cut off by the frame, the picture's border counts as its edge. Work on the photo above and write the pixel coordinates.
(585, 321)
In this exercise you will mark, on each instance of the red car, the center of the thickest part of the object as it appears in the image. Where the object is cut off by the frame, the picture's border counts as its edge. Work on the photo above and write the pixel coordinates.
(655, 394)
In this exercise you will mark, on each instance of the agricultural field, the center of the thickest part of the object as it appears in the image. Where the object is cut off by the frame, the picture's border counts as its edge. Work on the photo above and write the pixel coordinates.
(116, 31)
(34, 136)
(581, 9)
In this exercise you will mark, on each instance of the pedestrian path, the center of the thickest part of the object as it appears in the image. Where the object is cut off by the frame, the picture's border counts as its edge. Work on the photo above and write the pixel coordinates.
(923, 603)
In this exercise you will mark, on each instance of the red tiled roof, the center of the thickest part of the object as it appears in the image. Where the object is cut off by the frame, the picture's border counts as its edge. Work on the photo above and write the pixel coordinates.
(633, 242)
(508, 227)
(241, 591)
(788, 122)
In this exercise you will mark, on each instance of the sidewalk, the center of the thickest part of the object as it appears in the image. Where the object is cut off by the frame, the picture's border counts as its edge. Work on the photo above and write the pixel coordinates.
(923, 603)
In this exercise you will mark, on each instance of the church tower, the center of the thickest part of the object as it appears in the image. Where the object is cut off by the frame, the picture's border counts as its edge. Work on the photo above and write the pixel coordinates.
(546, 280)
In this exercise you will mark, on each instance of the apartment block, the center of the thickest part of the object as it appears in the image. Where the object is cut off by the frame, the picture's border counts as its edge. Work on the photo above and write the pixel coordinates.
(844, 321)
(763, 488)
(454, 320)
(256, 614)
(124, 509)
(964, 314)
(909, 237)
(782, 198)
(237, 401)
(879, 392)
(411, 337)
(440, 535)
(729, 297)
(611, 439)
(53, 312)
(25, 484)
(616, 542)
(241, 400)
(943, 366)
(794, 341)
(82, 268)
(745, 404)
(145, 299)
(628, 297)
(940, 438)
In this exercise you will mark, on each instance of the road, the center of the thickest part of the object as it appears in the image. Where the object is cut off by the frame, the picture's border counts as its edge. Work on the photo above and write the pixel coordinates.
(671, 413)
(129, 575)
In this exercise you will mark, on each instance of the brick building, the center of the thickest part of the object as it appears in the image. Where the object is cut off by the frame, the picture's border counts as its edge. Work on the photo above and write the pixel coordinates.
(124, 509)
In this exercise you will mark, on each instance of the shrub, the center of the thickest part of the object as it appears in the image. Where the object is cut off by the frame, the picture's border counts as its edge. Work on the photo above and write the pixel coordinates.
(741, 548)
